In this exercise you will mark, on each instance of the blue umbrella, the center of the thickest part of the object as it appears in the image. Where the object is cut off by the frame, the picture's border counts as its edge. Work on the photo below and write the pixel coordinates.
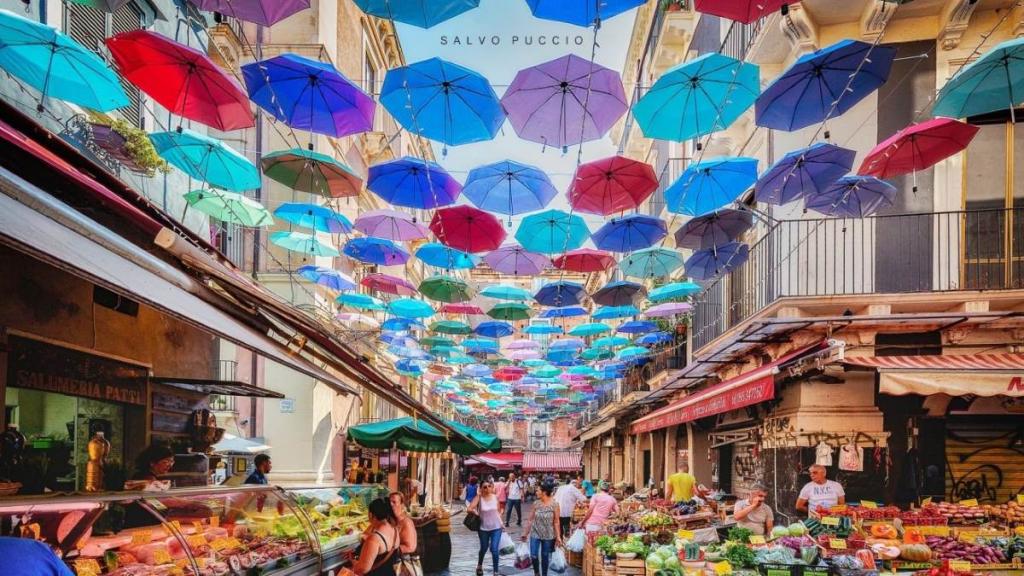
(310, 95)
(611, 341)
(802, 172)
(442, 101)
(993, 82)
(618, 293)
(476, 370)
(709, 185)
(612, 312)
(410, 308)
(632, 353)
(561, 357)
(409, 367)
(56, 65)
(538, 329)
(637, 327)
(207, 159)
(320, 218)
(672, 291)
(398, 340)
(563, 312)
(712, 262)
(413, 183)
(566, 344)
(303, 243)
(824, 84)
(630, 233)
(560, 293)
(441, 256)
(327, 277)
(502, 292)
(552, 232)
(697, 98)
(590, 329)
(580, 12)
(852, 197)
(480, 345)
(420, 13)
(376, 251)
(654, 338)
(401, 325)
(494, 329)
(508, 188)
(651, 263)
(360, 301)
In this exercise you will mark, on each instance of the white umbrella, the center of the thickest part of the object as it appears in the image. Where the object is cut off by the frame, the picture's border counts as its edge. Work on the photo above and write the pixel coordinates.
(232, 443)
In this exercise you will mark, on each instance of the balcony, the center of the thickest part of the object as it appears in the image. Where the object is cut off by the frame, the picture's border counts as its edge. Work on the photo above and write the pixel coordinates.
(899, 254)
(643, 378)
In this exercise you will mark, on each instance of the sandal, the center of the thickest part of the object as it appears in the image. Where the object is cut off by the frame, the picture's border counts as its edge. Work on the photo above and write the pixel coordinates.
(479, 571)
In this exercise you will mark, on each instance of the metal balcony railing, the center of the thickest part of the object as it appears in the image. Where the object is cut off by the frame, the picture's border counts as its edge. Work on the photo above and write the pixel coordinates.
(930, 252)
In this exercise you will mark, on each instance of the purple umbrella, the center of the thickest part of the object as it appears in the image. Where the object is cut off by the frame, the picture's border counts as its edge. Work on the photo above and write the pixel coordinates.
(564, 102)
(802, 172)
(667, 309)
(714, 229)
(523, 344)
(852, 197)
(263, 12)
(515, 260)
(390, 224)
(711, 262)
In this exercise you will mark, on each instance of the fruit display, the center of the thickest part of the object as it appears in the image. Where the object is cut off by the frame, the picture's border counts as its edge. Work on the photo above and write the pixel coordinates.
(337, 523)
(927, 516)
(958, 514)
(1012, 513)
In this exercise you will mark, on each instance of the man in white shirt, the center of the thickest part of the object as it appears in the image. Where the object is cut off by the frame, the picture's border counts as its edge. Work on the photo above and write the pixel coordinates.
(820, 492)
(515, 489)
(567, 496)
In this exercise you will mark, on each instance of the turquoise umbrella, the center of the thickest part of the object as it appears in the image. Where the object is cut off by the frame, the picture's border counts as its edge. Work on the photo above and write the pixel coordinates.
(596, 353)
(632, 353)
(672, 291)
(451, 327)
(304, 243)
(552, 232)
(535, 363)
(503, 292)
(612, 312)
(611, 341)
(589, 329)
(697, 98)
(360, 301)
(410, 308)
(995, 81)
(651, 263)
(56, 65)
(206, 159)
(540, 329)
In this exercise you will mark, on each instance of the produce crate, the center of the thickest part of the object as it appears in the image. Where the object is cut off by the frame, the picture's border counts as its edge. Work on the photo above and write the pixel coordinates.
(793, 570)
(588, 559)
(576, 559)
(635, 567)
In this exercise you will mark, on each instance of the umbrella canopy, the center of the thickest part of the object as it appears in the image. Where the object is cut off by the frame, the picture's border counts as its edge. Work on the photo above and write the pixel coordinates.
(509, 373)
(327, 277)
(354, 319)
(413, 183)
(668, 309)
(632, 353)
(110, 6)
(207, 159)
(611, 341)
(467, 228)
(552, 232)
(388, 284)
(421, 13)
(461, 308)
(441, 256)
(320, 218)
(918, 147)
(590, 329)
(523, 344)
(431, 341)
(228, 207)
(503, 292)
(515, 260)
(446, 289)
(598, 353)
(612, 312)
(611, 185)
(560, 293)
(745, 11)
(618, 293)
(802, 172)
(580, 12)
(57, 66)
(402, 324)
(853, 197)
(697, 98)
(673, 291)
(309, 95)
(262, 12)
(630, 233)
(376, 251)
(312, 172)
(995, 81)
(654, 338)
(585, 260)
(712, 262)
(476, 370)
(477, 345)
(542, 329)
(360, 301)
(442, 101)
(510, 311)
(651, 263)
(564, 312)
(714, 229)
(824, 84)
(303, 243)
(410, 308)
(711, 184)
(418, 436)
(564, 102)
(182, 79)
(494, 329)
(231, 443)
(508, 188)
(453, 327)
(390, 224)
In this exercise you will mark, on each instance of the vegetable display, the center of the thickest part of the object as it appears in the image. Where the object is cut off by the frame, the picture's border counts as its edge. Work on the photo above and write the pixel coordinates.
(955, 549)
(739, 555)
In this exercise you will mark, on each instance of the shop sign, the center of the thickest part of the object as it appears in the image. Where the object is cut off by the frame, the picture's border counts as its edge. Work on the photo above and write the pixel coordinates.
(691, 409)
(42, 366)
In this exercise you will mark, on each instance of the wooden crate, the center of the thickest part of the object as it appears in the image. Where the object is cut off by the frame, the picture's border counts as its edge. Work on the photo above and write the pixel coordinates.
(576, 559)
(634, 567)
(588, 560)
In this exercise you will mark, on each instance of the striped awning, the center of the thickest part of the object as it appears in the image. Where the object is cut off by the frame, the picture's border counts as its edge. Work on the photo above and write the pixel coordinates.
(497, 460)
(955, 375)
(951, 362)
(551, 461)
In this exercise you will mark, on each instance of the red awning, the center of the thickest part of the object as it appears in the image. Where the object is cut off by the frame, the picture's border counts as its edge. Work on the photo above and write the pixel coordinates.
(956, 362)
(956, 375)
(498, 461)
(551, 461)
(744, 390)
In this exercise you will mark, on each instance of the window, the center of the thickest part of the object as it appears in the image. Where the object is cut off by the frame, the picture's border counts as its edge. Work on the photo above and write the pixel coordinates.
(370, 74)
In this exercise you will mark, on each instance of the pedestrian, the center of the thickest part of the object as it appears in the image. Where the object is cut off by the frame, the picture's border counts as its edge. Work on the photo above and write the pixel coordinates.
(501, 491)
(376, 557)
(587, 485)
(485, 505)
(567, 496)
(602, 505)
(753, 514)
(516, 488)
(471, 488)
(820, 493)
(407, 539)
(543, 529)
(31, 558)
(682, 486)
(259, 475)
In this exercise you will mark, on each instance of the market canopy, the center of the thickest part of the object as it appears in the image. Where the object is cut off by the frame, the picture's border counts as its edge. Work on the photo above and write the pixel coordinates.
(956, 375)
(418, 436)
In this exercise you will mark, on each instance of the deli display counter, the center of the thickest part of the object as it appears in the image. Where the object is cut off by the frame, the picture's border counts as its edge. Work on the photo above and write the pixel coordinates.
(337, 516)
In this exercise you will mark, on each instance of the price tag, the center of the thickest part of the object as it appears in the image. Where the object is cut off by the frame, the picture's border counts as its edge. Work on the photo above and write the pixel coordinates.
(971, 502)
(196, 541)
(756, 539)
(722, 567)
(87, 567)
(838, 508)
(868, 504)
(162, 556)
(234, 542)
(685, 534)
(830, 521)
(1020, 499)
(927, 501)
(933, 530)
(959, 565)
(142, 537)
(837, 544)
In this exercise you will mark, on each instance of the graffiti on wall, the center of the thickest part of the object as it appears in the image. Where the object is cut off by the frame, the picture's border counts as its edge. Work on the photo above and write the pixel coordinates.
(984, 465)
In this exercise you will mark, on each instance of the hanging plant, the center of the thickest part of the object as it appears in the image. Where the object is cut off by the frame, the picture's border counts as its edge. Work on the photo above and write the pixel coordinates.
(128, 144)
(673, 5)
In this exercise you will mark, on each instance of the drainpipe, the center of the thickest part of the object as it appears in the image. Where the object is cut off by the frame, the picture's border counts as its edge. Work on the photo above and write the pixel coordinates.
(257, 234)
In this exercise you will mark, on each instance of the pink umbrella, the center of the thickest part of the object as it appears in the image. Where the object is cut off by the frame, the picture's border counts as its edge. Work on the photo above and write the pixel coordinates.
(918, 147)
(353, 318)
(668, 309)
(461, 308)
(467, 228)
(611, 185)
(522, 344)
(585, 260)
(389, 284)
(515, 260)
(509, 373)
(524, 354)
(390, 224)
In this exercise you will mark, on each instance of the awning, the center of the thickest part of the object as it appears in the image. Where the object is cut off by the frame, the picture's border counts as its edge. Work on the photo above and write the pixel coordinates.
(415, 435)
(551, 461)
(237, 445)
(603, 427)
(499, 461)
(744, 390)
(220, 387)
(958, 375)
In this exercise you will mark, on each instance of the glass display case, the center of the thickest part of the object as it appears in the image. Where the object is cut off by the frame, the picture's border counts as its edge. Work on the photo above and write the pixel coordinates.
(338, 516)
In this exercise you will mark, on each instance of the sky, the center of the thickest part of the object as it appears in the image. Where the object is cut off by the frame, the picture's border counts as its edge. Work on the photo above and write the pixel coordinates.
(506, 26)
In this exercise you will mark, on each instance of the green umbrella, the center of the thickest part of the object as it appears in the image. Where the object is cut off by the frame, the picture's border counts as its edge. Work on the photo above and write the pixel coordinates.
(312, 172)
(418, 436)
(304, 243)
(446, 289)
(589, 329)
(230, 207)
(510, 311)
(546, 372)
(596, 353)
(431, 341)
(450, 327)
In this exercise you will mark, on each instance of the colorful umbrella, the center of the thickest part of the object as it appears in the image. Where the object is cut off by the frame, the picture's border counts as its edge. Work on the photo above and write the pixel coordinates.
(442, 101)
(461, 308)
(711, 184)
(477, 345)
(312, 172)
(410, 308)
(508, 188)
(207, 159)
(476, 370)
(745, 11)
(182, 79)
(304, 243)
(673, 290)
(413, 183)
(630, 233)
(655, 338)
(618, 293)
(714, 229)
(515, 260)
(668, 309)
(995, 81)
(651, 263)
(611, 341)
(494, 329)
(509, 373)
(918, 147)
(542, 329)
(560, 293)
(441, 256)
(545, 371)
(596, 354)
(523, 344)
(712, 262)
(320, 218)
(327, 277)
(590, 329)
(431, 341)
(388, 284)
(376, 251)
(510, 311)
(352, 318)
(421, 13)
(580, 12)
(390, 224)
(853, 197)
(229, 207)
(564, 102)
(611, 185)
(446, 289)
(632, 353)
(824, 84)
(612, 312)
(262, 12)
(552, 231)
(503, 292)
(452, 327)
(467, 228)
(56, 65)
(564, 312)
(802, 172)
(309, 95)
(585, 260)
(402, 324)
(567, 343)
(360, 301)
(697, 98)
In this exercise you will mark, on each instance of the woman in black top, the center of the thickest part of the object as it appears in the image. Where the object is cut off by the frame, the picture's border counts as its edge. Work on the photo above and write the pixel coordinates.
(377, 556)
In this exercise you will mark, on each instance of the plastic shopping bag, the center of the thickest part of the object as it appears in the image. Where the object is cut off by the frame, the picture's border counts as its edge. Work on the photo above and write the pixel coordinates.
(523, 559)
(506, 546)
(578, 541)
(557, 564)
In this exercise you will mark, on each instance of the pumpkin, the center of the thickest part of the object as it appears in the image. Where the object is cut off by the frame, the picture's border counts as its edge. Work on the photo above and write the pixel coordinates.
(913, 536)
(915, 552)
(885, 531)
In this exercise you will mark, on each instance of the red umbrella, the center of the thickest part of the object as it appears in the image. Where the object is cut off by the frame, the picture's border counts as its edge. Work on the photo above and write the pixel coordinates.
(467, 228)
(461, 308)
(509, 373)
(917, 147)
(745, 11)
(584, 260)
(182, 79)
(611, 185)
(389, 284)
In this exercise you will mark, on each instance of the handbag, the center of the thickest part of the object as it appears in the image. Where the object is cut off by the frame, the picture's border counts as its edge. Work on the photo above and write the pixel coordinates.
(409, 565)
(472, 521)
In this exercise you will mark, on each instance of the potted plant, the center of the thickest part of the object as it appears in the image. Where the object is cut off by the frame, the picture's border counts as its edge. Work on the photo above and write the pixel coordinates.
(128, 144)
(673, 5)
